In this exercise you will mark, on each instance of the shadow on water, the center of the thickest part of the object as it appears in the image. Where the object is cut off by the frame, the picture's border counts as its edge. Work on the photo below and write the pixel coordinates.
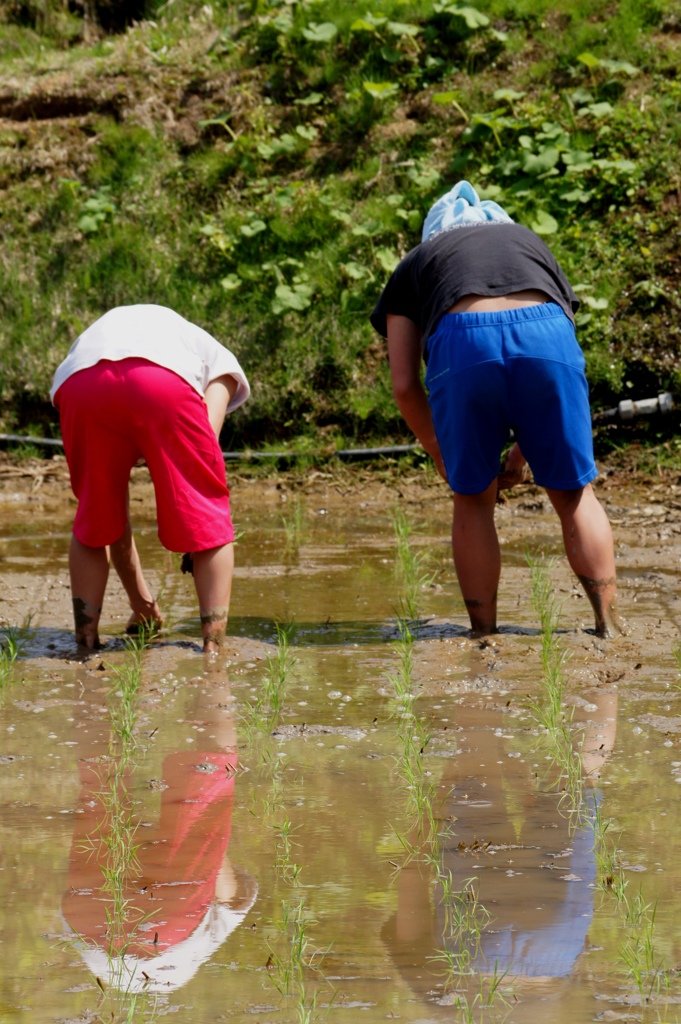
(343, 634)
(49, 642)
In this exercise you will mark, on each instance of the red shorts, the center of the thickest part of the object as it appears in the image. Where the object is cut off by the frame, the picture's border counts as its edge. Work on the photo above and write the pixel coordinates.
(115, 413)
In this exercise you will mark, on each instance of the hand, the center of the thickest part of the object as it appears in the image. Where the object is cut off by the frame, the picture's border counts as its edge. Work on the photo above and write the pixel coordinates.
(440, 466)
(514, 469)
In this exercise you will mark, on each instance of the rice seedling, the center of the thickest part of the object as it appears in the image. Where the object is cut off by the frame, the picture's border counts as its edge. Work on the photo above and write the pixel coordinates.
(412, 567)
(549, 710)
(293, 957)
(465, 917)
(262, 715)
(414, 736)
(125, 692)
(115, 845)
(12, 644)
(638, 956)
(293, 522)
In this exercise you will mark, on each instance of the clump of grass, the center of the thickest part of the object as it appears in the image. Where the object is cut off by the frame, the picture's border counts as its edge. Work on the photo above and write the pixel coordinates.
(11, 646)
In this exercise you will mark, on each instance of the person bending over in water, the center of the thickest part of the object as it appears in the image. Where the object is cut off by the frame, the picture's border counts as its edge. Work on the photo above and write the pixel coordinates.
(143, 383)
(489, 309)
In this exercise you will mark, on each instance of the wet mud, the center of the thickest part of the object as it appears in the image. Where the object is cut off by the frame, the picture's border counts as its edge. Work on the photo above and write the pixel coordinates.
(283, 832)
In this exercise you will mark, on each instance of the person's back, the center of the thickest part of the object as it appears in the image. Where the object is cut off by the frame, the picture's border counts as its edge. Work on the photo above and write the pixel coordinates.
(489, 308)
(144, 383)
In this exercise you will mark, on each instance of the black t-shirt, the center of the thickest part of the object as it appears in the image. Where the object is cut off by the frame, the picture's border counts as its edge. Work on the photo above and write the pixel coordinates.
(481, 259)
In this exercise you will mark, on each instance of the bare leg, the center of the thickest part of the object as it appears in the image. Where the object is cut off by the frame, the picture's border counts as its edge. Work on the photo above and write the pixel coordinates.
(127, 564)
(477, 557)
(213, 580)
(89, 570)
(590, 550)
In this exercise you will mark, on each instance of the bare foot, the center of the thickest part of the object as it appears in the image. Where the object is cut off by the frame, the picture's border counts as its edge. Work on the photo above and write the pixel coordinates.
(213, 627)
(86, 620)
(603, 597)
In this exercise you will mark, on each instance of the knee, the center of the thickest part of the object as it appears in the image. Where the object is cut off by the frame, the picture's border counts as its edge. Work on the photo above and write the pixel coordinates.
(566, 503)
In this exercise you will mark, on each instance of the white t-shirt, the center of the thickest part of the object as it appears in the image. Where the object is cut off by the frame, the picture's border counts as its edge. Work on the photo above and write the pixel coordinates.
(163, 337)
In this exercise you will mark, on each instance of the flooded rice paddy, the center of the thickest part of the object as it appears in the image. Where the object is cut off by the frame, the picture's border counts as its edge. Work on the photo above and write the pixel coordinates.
(358, 812)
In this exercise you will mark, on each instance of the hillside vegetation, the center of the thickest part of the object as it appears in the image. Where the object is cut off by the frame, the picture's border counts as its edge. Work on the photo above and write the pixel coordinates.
(261, 167)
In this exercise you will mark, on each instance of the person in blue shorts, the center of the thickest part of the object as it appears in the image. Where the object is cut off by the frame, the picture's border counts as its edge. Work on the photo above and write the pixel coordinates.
(483, 301)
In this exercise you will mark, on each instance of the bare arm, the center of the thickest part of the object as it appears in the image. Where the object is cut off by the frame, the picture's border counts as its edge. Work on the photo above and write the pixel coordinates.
(404, 352)
(217, 397)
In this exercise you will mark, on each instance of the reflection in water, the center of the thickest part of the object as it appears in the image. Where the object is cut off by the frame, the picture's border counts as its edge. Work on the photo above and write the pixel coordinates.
(516, 847)
(151, 905)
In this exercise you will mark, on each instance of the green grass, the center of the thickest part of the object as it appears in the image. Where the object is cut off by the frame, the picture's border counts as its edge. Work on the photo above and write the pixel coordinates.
(305, 145)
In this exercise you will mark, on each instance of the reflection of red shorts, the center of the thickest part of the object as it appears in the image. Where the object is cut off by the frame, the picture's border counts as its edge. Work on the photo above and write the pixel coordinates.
(116, 412)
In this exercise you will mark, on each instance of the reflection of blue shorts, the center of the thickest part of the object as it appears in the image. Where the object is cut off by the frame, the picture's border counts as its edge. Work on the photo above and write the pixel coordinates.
(518, 369)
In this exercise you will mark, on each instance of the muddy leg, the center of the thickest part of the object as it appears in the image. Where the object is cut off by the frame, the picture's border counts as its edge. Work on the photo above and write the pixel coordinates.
(213, 580)
(590, 550)
(477, 557)
(89, 570)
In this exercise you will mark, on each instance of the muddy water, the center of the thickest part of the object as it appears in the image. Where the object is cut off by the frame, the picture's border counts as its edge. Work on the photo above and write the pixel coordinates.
(267, 860)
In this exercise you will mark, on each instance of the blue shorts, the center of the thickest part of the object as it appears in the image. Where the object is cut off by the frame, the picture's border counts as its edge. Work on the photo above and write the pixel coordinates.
(518, 369)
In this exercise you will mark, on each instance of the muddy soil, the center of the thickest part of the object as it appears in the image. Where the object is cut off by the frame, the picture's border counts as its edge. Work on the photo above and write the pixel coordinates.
(271, 879)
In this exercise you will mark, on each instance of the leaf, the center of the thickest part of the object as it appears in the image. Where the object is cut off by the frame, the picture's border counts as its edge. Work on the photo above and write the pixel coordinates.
(286, 297)
(544, 223)
(645, 251)
(578, 160)
(231, 282)
(283, 22)
(387, 259)
(621, 65)
(368, 229)
(89, 224)
(540, 163)
(357, 271)
(380, 90)
(307, 131)
(599, 109)
(595, 303)
(471, 15)
(582, 96)
(444, 98)
(425, 177)
(367, 24)
(320, 32)
(489, 192)
(254, 228)
(576, 195)
(508, 94)
(589, 60)
(403, 28)
(342, 216)
(310, 100)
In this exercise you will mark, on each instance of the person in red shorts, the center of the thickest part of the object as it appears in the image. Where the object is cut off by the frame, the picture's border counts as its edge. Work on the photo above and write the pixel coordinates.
(144, 383)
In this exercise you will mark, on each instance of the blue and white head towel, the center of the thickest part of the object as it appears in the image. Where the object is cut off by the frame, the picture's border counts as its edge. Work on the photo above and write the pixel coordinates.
(459, 208)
